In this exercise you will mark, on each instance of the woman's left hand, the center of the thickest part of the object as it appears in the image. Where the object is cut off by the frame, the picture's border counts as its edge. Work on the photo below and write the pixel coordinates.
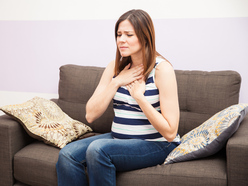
(137, 88)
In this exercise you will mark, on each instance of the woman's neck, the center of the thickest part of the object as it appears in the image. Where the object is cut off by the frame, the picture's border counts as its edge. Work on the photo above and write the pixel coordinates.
(136, 61)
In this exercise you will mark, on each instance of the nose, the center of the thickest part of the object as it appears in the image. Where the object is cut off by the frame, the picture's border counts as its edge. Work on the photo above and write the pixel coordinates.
(122, 38)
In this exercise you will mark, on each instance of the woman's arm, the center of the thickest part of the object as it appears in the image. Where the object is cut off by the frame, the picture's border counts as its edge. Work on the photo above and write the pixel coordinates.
(166, 122)
(102, 96)
(107, 88)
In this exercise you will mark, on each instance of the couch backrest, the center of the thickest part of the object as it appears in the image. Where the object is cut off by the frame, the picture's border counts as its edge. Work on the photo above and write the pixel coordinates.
(76, 86)
(201, 94)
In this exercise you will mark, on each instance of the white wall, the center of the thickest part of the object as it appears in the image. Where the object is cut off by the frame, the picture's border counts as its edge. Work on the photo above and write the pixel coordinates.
(112, 9)
(38, 36)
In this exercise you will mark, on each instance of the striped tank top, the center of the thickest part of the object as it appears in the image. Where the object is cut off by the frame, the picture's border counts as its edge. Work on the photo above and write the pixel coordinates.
(130, 122)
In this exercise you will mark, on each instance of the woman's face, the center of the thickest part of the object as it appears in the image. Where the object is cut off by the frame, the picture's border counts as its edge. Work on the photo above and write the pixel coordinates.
(127, 40)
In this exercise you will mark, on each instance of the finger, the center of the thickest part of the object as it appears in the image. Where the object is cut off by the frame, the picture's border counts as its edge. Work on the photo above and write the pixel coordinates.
(142, 79)
(128, 87)
(127, 66)
(138, 73)
(139, 77)
(141, 70)
(139, 67)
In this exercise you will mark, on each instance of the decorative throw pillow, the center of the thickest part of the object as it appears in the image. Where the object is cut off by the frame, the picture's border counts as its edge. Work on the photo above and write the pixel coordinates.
(209, 137)
(45, 121)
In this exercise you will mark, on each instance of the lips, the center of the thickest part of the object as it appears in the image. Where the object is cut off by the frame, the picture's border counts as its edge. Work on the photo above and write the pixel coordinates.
(123, 48)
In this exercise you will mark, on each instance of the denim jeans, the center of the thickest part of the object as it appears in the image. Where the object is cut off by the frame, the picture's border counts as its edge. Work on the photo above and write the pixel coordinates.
(103, 156)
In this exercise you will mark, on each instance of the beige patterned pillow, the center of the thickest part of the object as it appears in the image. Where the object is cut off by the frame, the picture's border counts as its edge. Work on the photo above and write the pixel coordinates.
(211, 136)
(45, 121)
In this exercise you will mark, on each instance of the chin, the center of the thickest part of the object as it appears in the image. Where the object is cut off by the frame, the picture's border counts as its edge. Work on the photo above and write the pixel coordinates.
(125, 55)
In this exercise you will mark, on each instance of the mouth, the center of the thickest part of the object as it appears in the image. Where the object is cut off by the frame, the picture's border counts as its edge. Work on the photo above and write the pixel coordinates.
(123, 48)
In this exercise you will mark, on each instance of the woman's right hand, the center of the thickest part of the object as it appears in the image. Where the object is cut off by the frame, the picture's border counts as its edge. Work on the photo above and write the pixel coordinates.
(129, 75)
(107, 88)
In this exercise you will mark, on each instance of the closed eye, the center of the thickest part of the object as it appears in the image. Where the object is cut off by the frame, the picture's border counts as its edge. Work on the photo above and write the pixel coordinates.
(129, 35)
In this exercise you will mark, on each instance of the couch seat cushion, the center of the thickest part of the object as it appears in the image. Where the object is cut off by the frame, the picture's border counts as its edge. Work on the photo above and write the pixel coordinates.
(35, 164)
(207, 171)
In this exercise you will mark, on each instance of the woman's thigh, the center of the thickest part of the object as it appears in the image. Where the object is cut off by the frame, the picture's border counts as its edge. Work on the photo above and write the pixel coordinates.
(134, 154)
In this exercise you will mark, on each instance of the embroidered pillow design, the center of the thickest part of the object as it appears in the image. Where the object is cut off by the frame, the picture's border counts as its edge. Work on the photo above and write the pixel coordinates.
(45, 121)
(209, 137)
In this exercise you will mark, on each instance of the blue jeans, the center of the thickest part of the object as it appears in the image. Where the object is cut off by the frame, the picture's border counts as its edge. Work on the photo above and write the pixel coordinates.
(103, 156)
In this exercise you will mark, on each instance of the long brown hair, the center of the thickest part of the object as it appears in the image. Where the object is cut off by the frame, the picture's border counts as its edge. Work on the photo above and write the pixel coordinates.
(144, 29)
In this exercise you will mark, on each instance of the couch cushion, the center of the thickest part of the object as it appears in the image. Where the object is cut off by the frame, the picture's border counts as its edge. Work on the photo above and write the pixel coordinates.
(35, 164)
(76, 86)
(202, 94)
(208, 171)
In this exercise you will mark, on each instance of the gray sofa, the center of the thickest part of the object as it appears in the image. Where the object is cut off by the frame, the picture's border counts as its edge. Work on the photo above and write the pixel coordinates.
(25, 161)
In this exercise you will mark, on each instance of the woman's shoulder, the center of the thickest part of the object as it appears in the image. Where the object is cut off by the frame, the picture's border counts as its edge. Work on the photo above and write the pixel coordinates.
(164, 70)
(109, 70)
(164, 73)
(111, 66)
(163, 65)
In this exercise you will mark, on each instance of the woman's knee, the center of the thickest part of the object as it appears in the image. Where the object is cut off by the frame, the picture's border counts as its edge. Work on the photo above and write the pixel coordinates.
(96, 150)
(70, 154)
(93, 149)
(63, 163)
(68, 160)
(64, 158)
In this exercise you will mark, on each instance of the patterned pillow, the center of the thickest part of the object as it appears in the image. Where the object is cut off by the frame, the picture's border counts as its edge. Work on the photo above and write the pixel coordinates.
(209, 137)
(45, 121)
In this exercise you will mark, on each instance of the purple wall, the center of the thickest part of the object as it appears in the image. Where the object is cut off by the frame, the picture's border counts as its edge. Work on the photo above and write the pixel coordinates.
(31, 52)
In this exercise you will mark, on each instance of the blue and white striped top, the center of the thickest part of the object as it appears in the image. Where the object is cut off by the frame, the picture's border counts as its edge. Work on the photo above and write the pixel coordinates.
(129, 121)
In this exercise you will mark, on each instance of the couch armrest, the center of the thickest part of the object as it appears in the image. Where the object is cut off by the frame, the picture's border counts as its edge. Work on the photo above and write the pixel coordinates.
(12, 138)
(237, 156)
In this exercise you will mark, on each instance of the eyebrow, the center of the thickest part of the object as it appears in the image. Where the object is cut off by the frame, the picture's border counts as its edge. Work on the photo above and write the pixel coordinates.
(127, 31)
